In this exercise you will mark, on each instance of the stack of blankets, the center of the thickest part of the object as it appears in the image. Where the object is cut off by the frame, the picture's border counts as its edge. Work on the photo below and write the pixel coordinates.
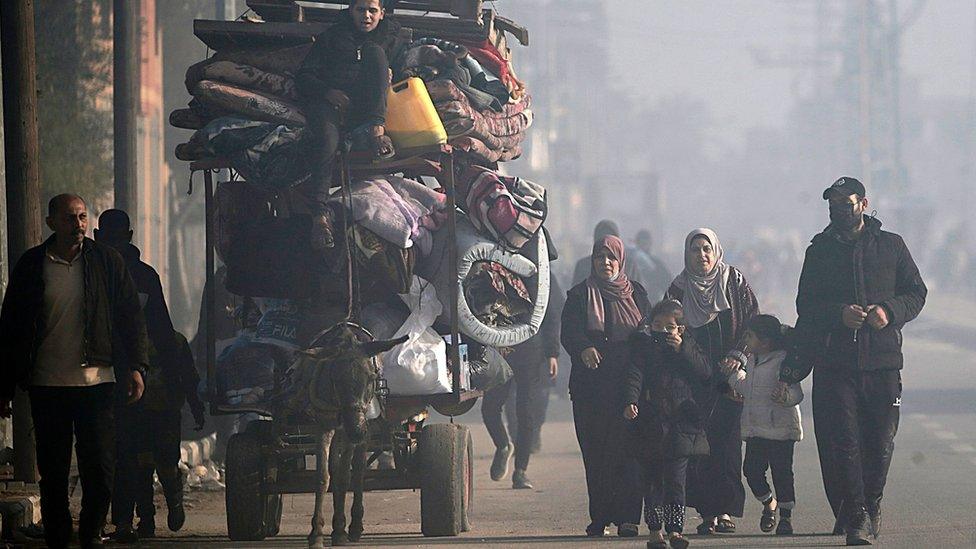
(245, 108)
(485, 108)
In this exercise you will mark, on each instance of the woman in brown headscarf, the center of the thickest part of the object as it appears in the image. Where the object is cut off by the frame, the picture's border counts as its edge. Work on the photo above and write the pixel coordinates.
(598, 318)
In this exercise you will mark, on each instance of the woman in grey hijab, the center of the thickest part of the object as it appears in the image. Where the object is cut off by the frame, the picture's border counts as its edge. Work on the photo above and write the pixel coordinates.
(718, 304)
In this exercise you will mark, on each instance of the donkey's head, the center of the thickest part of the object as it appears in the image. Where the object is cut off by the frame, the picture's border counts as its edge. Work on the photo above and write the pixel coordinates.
(346, 375)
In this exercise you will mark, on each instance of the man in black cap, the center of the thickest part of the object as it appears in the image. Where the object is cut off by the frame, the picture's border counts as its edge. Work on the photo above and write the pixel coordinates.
(858, 289)
(148, 433)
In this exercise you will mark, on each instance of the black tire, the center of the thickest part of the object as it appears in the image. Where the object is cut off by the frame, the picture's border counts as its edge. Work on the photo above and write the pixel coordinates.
(247, 507)
(263, 430)
(274, 517)
(454, 410)
(442, 451)
(468, 471)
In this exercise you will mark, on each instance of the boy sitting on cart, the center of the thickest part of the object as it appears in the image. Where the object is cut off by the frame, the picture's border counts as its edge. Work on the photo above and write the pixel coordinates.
(344, 83)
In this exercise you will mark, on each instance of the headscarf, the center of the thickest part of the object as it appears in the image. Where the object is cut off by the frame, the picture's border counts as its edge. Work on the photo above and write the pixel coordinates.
(704, 295)
(613, 299)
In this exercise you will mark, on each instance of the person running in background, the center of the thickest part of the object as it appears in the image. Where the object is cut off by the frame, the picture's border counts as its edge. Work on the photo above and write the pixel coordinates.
(535, 364)
(770, 423)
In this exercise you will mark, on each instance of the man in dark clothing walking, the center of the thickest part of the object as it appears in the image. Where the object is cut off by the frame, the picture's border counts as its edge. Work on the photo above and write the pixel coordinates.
(658, 278)
(148, 433)
(70, 312)
(528, 361)
(858, 289)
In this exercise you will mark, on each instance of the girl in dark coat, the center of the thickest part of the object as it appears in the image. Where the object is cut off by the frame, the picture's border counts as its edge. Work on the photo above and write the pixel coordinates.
(666, 423)
(717, 303)
(599, 316)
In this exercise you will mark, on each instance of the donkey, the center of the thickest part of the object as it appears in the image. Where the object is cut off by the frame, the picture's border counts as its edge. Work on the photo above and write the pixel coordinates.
(334, 383)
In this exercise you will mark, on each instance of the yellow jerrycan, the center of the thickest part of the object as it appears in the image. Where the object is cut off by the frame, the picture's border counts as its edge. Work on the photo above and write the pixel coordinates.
(411, 119)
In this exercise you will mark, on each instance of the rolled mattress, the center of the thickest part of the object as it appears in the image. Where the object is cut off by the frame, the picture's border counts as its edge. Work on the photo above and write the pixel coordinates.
(532, 265)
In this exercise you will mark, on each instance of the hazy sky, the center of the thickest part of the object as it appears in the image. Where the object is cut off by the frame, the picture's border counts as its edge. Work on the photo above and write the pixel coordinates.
(704, 48)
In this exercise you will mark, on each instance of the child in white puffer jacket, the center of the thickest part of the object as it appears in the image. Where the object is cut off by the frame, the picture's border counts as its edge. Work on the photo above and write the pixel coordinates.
(770, 424)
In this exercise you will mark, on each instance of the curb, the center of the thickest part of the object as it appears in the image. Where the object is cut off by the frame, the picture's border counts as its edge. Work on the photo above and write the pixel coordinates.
(197, 452)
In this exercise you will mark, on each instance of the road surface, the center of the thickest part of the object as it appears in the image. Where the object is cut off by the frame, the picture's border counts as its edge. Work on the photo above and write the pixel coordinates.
(930, 501)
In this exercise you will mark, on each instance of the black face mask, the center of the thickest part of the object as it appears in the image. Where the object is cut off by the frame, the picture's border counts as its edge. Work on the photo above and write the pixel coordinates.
(845, 217)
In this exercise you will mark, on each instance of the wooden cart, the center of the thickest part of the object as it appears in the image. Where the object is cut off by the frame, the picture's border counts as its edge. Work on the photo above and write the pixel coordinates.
(270, 457)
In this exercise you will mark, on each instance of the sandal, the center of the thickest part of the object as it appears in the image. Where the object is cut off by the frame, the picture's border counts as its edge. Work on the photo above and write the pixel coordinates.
(678, 541)
(706, 528)
(725, 526)
(768, 520)
(323, 231)
(657, 542)
(383, 147)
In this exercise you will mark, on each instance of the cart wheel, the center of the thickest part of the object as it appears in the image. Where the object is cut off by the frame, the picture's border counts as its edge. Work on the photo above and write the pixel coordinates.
(445, 482)
(465, 436)
(453, 410)
(274, 516)
(247, 507)
(263, 431)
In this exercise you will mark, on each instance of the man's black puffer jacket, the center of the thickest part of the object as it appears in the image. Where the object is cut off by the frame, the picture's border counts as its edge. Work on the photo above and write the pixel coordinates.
(877, 268)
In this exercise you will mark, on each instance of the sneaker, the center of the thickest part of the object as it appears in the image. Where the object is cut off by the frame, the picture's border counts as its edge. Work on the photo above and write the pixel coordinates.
(175, 516)
(596, 531)
(858, 529)
(767, 522)
(93, 543)
(520, 481)
(499, 464)
(785, 526)
(840, 526)
(874, 516)
(146, 529)
(678, 541)
(627, 530)
(124, 534)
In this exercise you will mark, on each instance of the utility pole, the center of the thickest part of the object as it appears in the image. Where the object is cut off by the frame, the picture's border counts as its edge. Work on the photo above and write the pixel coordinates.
(6, 435)
(864, 90)
(125, 95)
(23, 179)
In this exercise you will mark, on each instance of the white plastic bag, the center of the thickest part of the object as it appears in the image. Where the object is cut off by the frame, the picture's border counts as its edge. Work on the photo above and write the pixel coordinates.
(419, 365)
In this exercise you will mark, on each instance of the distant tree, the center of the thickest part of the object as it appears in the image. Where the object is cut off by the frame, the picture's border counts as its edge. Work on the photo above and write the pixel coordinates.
(74, 73)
